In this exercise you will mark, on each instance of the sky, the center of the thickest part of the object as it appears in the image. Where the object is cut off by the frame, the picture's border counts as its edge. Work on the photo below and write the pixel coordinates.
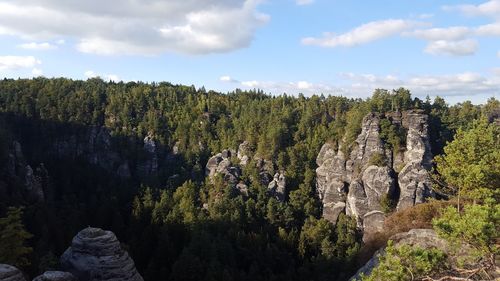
(432, 47)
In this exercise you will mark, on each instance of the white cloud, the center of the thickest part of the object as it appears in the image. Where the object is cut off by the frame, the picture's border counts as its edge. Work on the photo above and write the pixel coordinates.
(11, 63)
(251, 84)
(227, 78)
(498, 54)
(454, 86)
(108, 77)
(461, 84)
(489, 9)
(365, 33)
(304, 2)
(136, 27)
(436, 34)
(492, 29)
(38, 46)
(452, 48)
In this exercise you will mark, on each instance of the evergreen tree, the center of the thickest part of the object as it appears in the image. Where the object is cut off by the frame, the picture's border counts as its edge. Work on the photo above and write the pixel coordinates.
(13, 239)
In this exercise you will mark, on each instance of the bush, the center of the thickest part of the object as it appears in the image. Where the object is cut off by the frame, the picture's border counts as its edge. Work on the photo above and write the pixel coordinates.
(477, 225)
(378, 159)
(405, 262)
(388, 204)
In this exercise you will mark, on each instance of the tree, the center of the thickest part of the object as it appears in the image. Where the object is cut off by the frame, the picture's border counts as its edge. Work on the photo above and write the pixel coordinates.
(13, 237)
(471, 163)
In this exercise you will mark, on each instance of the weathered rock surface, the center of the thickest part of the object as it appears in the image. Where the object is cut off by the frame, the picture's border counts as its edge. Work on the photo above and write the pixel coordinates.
(356, 185)
(56, 276)
(10, 273)
(277, 187)
(221, 164)
(414, 179)
(96, 254)
(423, 238)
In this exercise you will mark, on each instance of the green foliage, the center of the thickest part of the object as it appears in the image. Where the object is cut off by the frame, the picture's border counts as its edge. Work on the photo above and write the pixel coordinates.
(478, 226)
(404, 262)
(13, 239)
(177, 226)
(388, 204)
(378, 159)
(393, 136)
(471, 164)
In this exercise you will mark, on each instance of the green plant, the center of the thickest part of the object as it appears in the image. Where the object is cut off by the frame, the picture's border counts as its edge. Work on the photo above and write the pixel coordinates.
(404, 262)
(378, 159)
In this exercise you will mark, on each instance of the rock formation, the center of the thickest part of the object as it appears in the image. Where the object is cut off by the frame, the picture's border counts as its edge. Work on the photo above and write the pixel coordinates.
(222, 164)
(361, 186)
(96, 254)
(56, 276)
(22, 181)
(10, 273)
(422, 238)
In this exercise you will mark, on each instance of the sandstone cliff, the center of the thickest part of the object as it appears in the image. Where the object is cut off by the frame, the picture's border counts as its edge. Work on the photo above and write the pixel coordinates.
(360, 184)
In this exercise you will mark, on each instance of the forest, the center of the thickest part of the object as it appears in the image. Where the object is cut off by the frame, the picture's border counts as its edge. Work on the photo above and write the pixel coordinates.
(142, 175)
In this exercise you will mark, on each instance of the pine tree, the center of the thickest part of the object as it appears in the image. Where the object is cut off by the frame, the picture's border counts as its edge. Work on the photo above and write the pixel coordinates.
(13, 236)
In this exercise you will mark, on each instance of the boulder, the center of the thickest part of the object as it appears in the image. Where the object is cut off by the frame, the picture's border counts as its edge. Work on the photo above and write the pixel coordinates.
(56, 276)
(96, 255)
(10, 273)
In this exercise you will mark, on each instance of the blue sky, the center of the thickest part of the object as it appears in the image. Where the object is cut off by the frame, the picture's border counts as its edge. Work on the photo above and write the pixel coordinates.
(349, 48)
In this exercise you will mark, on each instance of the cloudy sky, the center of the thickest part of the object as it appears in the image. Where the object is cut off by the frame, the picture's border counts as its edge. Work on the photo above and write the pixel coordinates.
(349, 48)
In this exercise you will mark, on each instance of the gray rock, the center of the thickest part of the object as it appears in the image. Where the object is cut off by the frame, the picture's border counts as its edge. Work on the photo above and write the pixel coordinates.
(415, 185)
(277, 187)
(150, 165)
(242, 189)
(423, 238)
(10, 273)
(414, 179)
(243, 153)
(96, 255)
(378, 183)
(350, 184)
(55, 276)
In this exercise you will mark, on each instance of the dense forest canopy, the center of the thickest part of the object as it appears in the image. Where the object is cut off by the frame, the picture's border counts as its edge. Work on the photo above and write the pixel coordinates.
(160, 217)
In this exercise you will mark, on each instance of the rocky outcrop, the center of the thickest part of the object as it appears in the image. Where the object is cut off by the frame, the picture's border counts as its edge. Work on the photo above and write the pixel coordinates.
(362, 183)
(96, 254)
(223, 164)
(243, 153)
(23, 182)
(277, 187)
(150, 164)
(56, 276)
(10, 273)
(414, 179)
(422, 238)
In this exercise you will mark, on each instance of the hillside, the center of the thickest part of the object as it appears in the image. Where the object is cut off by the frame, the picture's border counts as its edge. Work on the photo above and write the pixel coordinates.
(200, 185)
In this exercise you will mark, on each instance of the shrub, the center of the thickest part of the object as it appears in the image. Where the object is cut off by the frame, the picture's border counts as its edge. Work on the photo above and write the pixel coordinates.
(405, 262)
(378, 159)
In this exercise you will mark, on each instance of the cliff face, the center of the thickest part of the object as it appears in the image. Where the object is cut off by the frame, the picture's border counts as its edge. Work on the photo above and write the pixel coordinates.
(96, 255)
(19, 181)
(360, 186)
